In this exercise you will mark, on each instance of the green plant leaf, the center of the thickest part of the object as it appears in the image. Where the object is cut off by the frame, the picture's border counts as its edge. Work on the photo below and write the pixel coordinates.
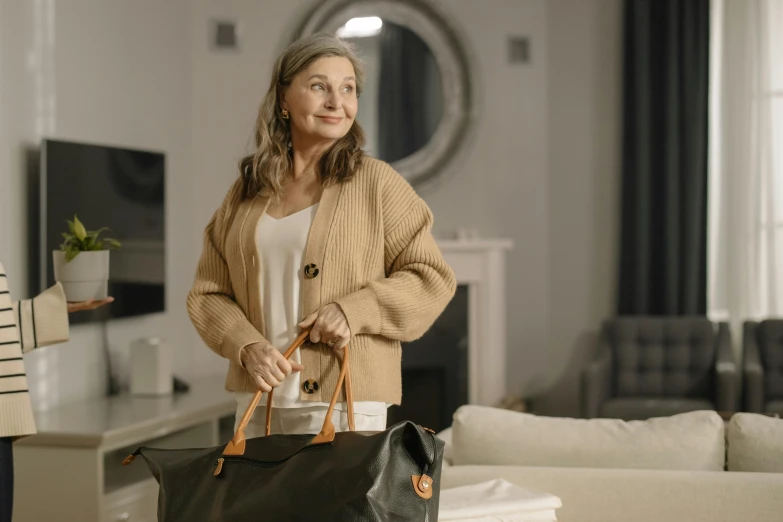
(81, 240)
(96, 233)
(70, 242)
(78, 229)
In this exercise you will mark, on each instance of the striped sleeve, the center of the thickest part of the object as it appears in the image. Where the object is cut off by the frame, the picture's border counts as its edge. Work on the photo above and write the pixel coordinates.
(9, 336)
(42, 320)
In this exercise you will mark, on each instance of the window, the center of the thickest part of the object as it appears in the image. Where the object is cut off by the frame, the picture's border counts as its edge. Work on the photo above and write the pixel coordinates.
(746, 160)
(770, 215)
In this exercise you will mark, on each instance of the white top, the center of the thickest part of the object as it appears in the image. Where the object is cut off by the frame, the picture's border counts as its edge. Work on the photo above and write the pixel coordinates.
(281, 244)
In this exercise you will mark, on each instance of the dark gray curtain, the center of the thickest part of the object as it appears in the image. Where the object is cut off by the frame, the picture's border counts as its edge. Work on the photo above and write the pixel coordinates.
(663, 250)
(409, 93)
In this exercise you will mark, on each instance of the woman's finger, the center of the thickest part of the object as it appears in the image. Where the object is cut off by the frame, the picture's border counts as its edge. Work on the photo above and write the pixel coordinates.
(288, 367)
(309, 320)
(331, 338)
(337, 331)
(316, 334)
(271, 380)
(344, 341)
(262, 384)
(340, 337)
(276, 373)
(285, 366)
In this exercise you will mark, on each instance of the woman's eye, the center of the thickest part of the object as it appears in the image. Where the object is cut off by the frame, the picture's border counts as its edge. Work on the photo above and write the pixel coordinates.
(318, 86)
(348, 88)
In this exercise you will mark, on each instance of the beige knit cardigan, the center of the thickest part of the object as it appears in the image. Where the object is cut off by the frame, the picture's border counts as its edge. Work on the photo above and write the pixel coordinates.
(370, 250)
(25, 325)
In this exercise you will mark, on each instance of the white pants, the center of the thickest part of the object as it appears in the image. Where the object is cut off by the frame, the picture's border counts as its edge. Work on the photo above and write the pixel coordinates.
(290, 421)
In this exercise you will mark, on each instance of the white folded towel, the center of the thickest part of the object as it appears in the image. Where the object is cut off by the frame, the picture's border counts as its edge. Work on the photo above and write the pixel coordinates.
(496, 500)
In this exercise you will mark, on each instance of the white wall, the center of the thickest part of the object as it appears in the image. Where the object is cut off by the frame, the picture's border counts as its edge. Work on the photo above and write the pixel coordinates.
(227, 90)
(544, 171)
(541, 168)
(584, 191)
(500, 186)
(115, 73)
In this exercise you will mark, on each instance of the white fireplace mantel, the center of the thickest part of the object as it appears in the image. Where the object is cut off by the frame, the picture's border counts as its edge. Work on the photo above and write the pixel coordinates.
(481, 265)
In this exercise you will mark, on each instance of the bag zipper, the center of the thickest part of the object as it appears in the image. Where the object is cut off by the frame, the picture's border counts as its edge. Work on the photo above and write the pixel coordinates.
(222, 460)
(231, 458)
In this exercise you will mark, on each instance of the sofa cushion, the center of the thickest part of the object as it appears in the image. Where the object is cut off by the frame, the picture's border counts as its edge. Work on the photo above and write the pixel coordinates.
(755, 443)
(644, 408)
(641, 495)
(445, 436)
(489, 436)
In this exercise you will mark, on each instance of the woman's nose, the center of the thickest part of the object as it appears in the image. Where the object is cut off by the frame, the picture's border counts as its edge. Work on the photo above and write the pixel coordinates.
(332, 101)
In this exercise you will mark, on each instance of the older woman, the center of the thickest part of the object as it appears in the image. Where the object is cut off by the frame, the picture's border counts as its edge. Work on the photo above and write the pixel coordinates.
(316, 234)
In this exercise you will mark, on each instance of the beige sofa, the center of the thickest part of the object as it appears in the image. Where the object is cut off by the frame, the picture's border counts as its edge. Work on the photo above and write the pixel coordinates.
(604, 470)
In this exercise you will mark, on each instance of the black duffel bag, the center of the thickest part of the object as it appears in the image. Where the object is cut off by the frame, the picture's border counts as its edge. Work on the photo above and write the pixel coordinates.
(391, 475)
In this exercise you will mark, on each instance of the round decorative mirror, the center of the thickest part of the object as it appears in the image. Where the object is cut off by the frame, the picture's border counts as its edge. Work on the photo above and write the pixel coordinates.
(418, 97)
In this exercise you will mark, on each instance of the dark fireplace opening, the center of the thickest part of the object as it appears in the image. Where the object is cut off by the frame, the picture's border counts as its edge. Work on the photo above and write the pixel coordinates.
(435, 369)
(424, 397)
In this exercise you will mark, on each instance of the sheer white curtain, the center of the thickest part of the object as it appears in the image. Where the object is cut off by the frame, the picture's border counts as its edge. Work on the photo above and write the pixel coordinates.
(745, 239)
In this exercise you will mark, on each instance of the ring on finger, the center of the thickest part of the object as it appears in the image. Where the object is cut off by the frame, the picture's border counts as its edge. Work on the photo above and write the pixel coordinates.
(331, 343)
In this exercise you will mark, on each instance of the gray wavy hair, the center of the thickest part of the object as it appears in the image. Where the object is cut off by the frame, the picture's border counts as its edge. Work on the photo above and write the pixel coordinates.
(267, 167)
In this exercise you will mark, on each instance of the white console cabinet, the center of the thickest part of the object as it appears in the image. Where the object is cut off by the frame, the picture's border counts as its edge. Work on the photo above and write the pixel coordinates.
(71, 470)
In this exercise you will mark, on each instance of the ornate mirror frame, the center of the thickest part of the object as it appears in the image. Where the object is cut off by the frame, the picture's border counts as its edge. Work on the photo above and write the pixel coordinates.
(449, 49)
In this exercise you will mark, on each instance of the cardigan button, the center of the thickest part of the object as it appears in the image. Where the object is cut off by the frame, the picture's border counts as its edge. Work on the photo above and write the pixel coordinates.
(310, 386)
(311, 271)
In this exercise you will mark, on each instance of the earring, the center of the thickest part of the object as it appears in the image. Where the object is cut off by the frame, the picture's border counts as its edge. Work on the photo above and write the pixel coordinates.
(285, 114)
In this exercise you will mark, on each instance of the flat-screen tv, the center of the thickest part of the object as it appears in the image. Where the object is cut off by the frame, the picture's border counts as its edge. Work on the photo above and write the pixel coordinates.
(119, 188)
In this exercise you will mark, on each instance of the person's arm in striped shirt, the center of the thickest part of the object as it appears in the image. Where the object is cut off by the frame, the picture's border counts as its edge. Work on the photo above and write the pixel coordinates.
(43, 320)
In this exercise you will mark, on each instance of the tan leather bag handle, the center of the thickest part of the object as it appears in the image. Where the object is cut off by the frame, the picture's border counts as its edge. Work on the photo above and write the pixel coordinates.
(236, 445)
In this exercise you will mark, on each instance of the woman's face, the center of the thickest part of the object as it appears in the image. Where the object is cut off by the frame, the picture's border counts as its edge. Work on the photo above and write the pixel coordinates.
(322, 100)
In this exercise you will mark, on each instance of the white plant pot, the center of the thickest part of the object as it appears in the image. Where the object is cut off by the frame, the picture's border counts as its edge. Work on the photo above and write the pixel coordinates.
(85, 277)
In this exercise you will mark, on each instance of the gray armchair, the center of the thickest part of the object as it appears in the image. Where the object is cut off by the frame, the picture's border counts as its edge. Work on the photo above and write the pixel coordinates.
(762, 364)
(659, 366)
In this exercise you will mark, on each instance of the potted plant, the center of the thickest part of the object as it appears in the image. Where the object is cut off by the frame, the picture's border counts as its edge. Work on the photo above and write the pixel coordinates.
(82, 263)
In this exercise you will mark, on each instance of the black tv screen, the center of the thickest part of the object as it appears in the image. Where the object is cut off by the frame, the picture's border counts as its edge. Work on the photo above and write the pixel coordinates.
(118, 188)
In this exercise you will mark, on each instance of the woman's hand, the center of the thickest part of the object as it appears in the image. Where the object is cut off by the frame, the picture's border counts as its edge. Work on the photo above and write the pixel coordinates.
(92, 304)
(330, 326)
(267, 365)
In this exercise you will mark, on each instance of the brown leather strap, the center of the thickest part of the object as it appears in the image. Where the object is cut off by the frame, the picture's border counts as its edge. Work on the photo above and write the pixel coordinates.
(327, 432)
(237, 444)
(348, 395)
